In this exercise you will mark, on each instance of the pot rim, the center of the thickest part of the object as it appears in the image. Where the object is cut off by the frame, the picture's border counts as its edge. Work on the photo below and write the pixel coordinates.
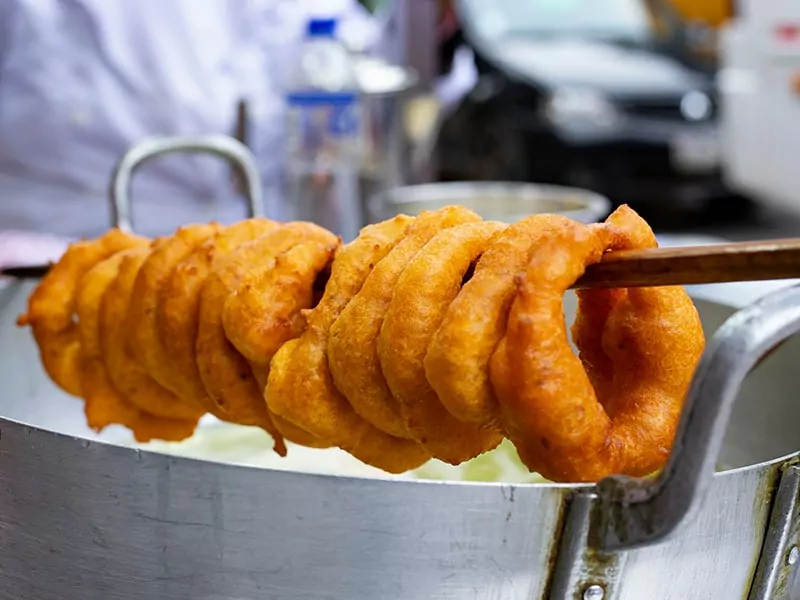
(136, 454)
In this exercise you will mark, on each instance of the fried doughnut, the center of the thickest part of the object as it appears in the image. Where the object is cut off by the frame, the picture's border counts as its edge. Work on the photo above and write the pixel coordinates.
(226, 374)
(457, 362)
(266, 310)
(427, 286)
(179, 305)
(104, 405)
(146, 343)
(279, 392)
(425, 337)
(296, 434)
(614, 409)
(51, 307)
(300, 387)
(287, 429)
(353, 340)
(127, 376)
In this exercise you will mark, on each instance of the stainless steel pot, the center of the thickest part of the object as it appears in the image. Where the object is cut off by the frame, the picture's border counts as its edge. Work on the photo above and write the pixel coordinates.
(385, 89)
(499, 201)
(84, 519)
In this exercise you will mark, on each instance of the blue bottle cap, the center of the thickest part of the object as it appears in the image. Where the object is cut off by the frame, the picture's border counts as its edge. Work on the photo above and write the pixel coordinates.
(321, 27)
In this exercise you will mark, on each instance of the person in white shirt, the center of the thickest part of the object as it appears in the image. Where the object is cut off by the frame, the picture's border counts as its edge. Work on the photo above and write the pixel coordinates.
(81, 81)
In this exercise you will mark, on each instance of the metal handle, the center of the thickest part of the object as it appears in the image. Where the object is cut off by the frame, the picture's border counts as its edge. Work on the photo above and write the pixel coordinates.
(221, 145)
(638, 512)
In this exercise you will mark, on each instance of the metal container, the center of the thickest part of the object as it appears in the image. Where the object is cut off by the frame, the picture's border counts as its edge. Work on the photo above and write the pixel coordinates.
(84, 519)
(498, 201)
(385, 88)
(336, 202)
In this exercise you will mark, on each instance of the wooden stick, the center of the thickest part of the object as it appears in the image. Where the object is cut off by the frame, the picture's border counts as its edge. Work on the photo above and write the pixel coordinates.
(25, 272)
(690, 265)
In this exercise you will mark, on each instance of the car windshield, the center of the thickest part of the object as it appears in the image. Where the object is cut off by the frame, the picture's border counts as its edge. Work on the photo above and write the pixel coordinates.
(625, 20)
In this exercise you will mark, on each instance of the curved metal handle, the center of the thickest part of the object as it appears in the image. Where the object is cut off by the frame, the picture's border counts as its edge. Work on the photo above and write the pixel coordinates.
(639, 512)
(221, 145)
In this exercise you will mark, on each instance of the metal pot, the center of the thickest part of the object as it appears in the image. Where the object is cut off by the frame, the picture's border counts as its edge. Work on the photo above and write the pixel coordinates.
(498, 201)
(87, 520)
(84, 519)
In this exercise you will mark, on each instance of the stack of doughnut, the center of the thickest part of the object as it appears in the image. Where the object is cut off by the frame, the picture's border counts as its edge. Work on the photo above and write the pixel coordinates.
(433, 336)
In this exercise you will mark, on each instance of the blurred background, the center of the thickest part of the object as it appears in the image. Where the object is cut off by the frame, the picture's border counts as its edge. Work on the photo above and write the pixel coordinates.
(688, 110)
(685, 109)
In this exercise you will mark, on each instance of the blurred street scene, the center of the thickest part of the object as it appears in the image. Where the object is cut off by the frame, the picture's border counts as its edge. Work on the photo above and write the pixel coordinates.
(684, 109)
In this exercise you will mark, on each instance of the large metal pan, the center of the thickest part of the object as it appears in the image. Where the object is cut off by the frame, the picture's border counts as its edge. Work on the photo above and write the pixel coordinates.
(493, 200)
(84, 519)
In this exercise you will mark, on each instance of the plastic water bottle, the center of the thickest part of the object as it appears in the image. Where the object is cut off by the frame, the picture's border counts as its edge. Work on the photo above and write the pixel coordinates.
(324, 133)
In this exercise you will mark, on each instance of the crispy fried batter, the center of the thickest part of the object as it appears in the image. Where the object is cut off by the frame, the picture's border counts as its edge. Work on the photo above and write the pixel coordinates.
(179, 306)
(615, 409)
(434, 336)
(103, 403)
(266, 309)
(146, 342)
(287, 429)
(300, 387)
(353, 339)
(226, 374)
(127, 376)
(51, 307)
(424, 291)
(457, 362)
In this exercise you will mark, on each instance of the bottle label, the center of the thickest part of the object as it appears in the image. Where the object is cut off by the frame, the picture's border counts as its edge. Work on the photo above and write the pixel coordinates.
(332, 114)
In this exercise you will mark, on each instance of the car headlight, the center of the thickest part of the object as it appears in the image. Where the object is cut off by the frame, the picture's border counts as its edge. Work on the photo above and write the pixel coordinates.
(581, 108)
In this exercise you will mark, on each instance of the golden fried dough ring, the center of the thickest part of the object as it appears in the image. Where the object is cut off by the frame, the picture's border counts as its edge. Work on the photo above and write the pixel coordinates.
(146, 343)
(424, 291)
(300, 387)
(614, 410)
(457, 363)
(287, 429)
(266, 310)
(296, 434)
(103, 403)
(179, 306)
(51, 307)
(226, 374)
(353, 339)
(280, 388)
(127, 376)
